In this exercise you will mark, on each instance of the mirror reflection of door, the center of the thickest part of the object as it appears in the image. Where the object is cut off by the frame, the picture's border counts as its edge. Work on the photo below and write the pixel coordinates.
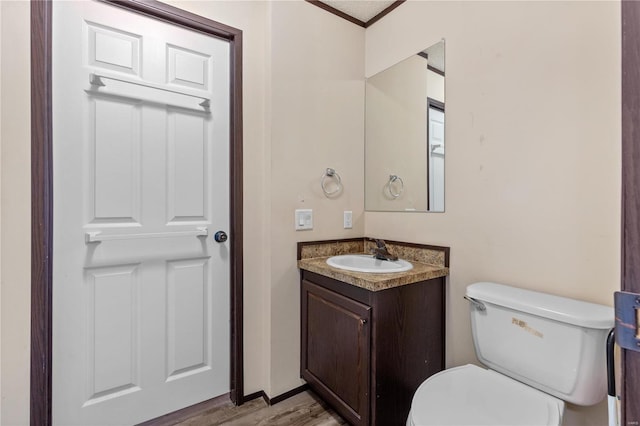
(435, 162)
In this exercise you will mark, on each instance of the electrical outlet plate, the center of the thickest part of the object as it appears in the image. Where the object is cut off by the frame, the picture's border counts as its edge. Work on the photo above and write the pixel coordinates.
(348, 219)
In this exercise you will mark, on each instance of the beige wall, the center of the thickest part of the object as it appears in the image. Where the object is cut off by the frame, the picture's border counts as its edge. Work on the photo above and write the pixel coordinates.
(16, 228)
(0, 214)
(533, 149)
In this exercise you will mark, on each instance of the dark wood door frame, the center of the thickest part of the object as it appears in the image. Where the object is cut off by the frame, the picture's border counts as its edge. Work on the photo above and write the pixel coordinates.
(630, 386)
(42, 191)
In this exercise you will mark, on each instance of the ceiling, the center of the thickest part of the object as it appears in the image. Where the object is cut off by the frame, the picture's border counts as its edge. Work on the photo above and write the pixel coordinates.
(362, 10)
(366, 12)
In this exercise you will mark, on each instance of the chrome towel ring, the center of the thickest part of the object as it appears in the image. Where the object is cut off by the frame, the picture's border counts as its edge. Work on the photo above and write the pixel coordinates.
(330, 175)
(393, 181)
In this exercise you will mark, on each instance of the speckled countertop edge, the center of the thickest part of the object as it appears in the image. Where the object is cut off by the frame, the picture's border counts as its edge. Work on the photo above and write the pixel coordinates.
(374, 282)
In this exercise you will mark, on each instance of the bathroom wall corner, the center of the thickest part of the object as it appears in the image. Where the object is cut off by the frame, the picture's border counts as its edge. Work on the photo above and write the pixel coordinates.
(316, 115)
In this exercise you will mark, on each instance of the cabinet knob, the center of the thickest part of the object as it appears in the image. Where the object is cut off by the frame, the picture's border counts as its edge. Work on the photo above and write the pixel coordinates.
(363, 321)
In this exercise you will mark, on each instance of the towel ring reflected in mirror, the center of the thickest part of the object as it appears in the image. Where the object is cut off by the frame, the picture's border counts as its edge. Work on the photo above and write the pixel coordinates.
(397, 182)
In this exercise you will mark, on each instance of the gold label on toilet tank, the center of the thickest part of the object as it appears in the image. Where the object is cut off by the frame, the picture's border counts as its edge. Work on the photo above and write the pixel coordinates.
(523, 325)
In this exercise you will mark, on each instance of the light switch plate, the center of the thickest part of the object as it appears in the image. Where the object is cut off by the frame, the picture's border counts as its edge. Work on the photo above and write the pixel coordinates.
(348, 219)
(304, 219)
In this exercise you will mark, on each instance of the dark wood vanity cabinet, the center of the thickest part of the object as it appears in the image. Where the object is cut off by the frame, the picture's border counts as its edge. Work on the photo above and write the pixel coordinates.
(366, 352)
(338, 349)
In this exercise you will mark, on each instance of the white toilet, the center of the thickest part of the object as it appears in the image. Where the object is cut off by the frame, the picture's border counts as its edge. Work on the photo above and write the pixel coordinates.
(541, 350)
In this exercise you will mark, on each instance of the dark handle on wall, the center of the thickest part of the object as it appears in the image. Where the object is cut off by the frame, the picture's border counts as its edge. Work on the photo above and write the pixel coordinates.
(220, 237)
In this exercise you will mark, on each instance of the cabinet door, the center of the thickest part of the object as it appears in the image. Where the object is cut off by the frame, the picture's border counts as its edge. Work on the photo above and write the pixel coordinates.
(336, 350)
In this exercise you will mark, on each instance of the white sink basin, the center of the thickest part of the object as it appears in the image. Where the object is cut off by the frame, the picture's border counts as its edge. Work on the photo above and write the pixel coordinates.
(368, 263)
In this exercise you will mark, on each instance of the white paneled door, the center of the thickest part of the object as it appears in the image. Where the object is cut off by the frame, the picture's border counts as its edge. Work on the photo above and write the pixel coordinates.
(436, 160)
(141, 184)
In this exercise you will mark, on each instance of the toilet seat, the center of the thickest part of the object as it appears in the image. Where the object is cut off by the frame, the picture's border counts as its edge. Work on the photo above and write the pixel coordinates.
(470, 395)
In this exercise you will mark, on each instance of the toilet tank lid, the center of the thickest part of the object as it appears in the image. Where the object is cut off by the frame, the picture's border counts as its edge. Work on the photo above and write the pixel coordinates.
(563, 309)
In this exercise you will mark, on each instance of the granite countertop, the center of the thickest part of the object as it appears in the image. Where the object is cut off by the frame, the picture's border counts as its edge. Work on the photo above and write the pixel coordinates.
(371, 281)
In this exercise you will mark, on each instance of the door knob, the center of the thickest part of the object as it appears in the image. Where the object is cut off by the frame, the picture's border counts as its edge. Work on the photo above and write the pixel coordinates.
(220, 236)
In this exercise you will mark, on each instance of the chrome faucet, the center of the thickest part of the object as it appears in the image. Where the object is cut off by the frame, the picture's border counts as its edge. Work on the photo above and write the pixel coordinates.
(381, 252)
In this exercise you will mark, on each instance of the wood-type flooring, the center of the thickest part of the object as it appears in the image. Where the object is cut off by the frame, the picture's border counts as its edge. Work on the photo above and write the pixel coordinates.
(303, 409)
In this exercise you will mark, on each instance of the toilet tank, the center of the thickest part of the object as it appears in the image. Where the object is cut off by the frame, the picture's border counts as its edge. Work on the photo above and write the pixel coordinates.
(555, 344)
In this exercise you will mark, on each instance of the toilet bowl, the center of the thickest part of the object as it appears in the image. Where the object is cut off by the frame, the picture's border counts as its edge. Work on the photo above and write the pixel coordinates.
(470, 395)
(541, 350)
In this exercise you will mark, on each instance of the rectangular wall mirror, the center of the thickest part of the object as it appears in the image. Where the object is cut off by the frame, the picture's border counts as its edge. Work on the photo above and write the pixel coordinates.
(404, 135)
